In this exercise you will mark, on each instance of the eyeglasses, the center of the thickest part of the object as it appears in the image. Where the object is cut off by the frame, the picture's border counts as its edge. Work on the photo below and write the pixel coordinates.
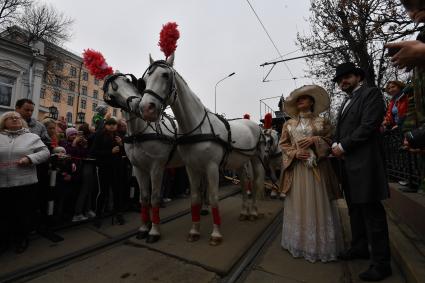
(14, 118)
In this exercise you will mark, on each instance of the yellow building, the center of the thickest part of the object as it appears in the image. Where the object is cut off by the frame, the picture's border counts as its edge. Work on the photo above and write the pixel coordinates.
(68, 86)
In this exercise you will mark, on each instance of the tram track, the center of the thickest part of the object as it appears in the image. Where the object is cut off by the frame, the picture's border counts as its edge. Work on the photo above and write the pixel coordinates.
(34, 271)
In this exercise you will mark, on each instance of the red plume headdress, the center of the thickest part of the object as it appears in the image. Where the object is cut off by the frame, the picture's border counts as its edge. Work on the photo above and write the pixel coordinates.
(96, 64)
(246, 116)
(268, 119)
(168, 38)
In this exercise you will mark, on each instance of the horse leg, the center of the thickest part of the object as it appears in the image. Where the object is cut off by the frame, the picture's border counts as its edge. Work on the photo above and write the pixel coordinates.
(156, 177)
(244, 186)
(258, 186)
(213, 179)
(143, 180)
(195, 182)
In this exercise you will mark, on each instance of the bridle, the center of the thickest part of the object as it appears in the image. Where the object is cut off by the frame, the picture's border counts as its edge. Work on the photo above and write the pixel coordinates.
(110, 100)
(172, 93)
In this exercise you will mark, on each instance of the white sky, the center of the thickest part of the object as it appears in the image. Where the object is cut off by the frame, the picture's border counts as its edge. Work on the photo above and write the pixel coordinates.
(217, 37)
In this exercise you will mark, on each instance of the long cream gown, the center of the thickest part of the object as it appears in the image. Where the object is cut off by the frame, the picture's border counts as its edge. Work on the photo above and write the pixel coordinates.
(311, 225)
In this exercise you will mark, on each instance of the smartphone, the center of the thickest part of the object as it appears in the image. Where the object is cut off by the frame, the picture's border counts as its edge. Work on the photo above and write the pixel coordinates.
(392, 51)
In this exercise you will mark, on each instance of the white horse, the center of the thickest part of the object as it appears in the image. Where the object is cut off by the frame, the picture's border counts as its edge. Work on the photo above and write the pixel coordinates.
(273, 158)
(206, 141)
(149, 147)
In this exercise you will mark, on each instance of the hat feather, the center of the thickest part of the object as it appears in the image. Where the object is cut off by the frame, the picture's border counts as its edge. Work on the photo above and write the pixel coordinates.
(96, 64)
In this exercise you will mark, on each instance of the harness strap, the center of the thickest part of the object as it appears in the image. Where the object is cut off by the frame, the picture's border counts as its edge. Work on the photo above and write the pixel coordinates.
(139, 138)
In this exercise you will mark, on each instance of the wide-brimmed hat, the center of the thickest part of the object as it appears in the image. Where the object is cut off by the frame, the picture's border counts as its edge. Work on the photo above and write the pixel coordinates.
(319, 95)
(347, 68)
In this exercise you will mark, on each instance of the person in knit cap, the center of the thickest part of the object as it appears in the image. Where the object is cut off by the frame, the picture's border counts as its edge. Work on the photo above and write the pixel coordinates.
(100, 116)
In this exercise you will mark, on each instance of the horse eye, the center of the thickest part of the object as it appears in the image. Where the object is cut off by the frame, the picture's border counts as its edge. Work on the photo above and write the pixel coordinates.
(165, 75)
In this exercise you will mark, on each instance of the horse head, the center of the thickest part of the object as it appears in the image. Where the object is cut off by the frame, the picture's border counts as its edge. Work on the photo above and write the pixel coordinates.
(120, 89)
(272, 141)
(161, 89)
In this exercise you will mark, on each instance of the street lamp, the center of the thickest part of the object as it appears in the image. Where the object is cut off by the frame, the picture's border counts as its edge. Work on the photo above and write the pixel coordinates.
(215, 90)
(53, 112)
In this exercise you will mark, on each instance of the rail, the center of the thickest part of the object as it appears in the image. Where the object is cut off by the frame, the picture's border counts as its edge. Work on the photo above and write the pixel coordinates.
(401, 164)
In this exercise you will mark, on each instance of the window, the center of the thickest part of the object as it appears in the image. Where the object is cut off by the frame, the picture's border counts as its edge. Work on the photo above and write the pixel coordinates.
(73, 71)
(114, 112)
(70, 101)
(72, 86)
(58, 81)
(42, 93)
(85, 76)
(59, 66)
(96, 81)
(95, 94)
(94, 105)
(57, 96)
(69, 117)
(83, 103)
(84, 90)
(6, 88)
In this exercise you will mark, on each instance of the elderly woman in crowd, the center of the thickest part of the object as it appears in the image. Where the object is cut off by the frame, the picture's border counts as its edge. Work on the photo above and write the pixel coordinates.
(20, 151)
(397, 108)
(310, 223)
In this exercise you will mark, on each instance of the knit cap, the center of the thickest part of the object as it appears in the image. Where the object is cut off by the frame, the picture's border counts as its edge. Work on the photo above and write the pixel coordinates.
(70, 131)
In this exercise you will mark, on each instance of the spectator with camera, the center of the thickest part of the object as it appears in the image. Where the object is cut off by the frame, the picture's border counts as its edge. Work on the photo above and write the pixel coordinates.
(20, 152)
(108, 150)
(410, 54)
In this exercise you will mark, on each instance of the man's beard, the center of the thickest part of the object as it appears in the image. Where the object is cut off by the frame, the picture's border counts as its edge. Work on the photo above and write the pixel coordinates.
(350, 89)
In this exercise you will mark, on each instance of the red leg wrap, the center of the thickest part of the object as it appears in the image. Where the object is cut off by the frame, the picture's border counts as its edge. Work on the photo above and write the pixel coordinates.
(144, 214)
(155, 215)
(248, 187)
(216, 216)
(196, 212)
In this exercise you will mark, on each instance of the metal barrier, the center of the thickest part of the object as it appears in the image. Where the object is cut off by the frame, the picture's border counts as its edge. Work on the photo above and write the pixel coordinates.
(401, 163)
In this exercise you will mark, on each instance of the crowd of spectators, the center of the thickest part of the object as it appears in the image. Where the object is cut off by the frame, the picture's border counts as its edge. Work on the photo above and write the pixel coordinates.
(92, 176)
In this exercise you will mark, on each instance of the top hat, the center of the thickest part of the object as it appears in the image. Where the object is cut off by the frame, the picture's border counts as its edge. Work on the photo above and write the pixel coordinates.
(347, 68)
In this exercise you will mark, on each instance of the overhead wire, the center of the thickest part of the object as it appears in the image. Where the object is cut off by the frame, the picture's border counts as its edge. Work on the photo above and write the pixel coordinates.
(270, 38)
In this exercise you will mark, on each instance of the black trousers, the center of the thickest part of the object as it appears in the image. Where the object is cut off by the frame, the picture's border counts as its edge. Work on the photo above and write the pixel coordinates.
(17, 208)
(108, 179)
(369, 228)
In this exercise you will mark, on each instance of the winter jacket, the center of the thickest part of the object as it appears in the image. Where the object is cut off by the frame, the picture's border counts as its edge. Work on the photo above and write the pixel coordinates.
(13, 146)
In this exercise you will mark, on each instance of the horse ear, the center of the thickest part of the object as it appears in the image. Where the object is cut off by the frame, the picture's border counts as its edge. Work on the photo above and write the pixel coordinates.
(150, 59)
(170, 60)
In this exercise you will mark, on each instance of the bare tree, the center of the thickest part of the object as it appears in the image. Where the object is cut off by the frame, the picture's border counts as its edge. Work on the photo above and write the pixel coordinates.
(355, 30)
(44, 22)
(10, 10)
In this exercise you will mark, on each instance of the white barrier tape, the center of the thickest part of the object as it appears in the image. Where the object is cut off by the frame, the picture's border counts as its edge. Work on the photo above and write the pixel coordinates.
(131, 192)
(50, 207)
(52, 182)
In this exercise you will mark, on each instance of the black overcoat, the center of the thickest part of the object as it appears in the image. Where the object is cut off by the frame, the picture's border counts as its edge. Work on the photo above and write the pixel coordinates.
(365, 178)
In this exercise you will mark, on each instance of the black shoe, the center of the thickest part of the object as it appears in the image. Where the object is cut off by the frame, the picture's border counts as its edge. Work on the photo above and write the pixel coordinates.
(376, 273)
(120, 219)
(351, 254)
(21, 246)
(97, 223)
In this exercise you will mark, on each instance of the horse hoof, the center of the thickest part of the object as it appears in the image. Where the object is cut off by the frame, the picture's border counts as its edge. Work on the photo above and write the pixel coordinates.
(193, 238)
(142, 235)
(152, 239)
(243, 217)
(215, 241)
(204, 212)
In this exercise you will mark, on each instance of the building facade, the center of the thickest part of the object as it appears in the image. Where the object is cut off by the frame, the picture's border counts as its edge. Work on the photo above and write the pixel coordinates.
(51, 76)
(21, 72)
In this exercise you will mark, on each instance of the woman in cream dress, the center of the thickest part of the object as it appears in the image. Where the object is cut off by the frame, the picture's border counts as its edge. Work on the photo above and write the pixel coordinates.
(311, 227)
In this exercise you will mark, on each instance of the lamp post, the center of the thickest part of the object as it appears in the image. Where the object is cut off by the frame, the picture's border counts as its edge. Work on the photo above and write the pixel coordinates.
(215, 90)
(53, 112)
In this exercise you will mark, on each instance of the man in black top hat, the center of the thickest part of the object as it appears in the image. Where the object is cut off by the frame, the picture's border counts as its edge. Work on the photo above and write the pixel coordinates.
(358, 144)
